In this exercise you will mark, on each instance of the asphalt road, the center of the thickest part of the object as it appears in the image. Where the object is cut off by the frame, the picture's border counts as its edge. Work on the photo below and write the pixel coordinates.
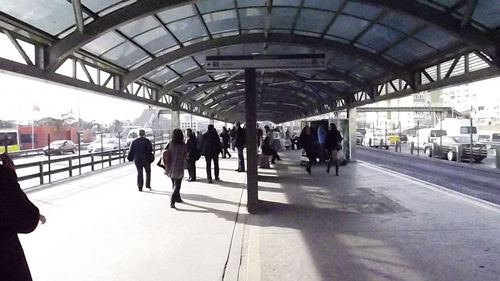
(483, 184)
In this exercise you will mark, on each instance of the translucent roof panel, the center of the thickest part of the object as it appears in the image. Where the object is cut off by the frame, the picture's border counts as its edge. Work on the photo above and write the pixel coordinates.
(361, 10)
(403, 23)
(252, 18)
(184, 65)
(207, 6)
(488, 13)
(187, 29)
(313, 20)
(162, 75)
(50, 16)
(104, 43)
(347, 27)
(155, 40)
(139, 26)
(286, 2)
(380, 37)
(436, 37)
(99, 5)
(221, 21)
(250, 3)
(410, 51)
(125, 55)
(332, 5)
(283, 18)
(178, 13)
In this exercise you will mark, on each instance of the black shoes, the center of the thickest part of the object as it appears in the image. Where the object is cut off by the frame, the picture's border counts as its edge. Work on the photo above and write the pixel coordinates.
(172, 205)
(179, 201)
(190, 179)
(217, 179)
(210, 181)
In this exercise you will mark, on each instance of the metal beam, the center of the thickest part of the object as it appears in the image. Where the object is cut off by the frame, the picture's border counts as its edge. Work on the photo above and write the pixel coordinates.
(77, 9)
(405, 109)
(469, 11)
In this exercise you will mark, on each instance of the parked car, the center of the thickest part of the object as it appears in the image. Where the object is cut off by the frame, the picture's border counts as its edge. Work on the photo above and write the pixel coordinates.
(106, 145)
(59, 147)
(448, 148)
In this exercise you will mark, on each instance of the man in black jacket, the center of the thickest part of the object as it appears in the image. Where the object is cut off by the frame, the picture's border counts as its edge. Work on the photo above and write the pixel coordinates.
(17, 215)
(239, 143)
(192, 154)
(141, 152)
(211, 149)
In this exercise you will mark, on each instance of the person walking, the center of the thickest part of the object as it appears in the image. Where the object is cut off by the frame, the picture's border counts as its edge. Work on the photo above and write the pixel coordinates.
(239, 143)
(225, 142)
(141, 152)
(306, 140)
(267, 150)
(211, 149)
(193, 154)
(333, 145)
(17, 215)
(173, 159)
(322, 132)
(232, 136)
(260, 136)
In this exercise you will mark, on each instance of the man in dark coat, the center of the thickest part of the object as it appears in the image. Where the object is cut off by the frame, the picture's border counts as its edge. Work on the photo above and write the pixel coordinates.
(239, 143)
(141, 152)
(211, 149)
(17, 215)
(192, 154)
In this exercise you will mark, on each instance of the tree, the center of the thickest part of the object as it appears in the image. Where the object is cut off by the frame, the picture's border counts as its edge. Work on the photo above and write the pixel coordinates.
(116, 127)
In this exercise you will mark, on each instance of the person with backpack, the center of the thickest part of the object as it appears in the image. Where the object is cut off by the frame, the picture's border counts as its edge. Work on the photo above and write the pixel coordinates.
(193, 154)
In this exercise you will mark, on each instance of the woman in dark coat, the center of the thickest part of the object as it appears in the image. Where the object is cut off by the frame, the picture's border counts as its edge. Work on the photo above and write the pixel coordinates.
(225, 142)
(17, 215)
(193, 154)
(307, 142)
(333, 140)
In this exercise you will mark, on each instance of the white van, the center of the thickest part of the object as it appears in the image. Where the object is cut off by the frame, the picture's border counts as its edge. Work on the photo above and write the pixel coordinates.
(459, 127)
(426, 135)
(134, 133)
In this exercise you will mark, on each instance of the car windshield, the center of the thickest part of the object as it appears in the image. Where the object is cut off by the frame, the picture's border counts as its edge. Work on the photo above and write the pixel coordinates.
(57, 143)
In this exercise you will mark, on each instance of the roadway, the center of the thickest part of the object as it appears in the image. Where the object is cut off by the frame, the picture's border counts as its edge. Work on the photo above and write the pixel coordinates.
(466, 178)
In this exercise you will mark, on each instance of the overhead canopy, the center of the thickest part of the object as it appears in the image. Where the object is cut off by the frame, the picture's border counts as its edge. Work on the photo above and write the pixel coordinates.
(376, 49)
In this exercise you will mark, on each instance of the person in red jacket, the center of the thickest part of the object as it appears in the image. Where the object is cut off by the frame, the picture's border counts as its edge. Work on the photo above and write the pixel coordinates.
(17, 215)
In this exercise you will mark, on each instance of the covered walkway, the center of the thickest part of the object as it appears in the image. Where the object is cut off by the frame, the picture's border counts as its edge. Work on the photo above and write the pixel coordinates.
(368, 224)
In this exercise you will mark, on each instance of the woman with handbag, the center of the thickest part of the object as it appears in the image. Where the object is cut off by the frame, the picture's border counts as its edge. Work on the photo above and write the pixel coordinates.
(333, 145)
(173, 159)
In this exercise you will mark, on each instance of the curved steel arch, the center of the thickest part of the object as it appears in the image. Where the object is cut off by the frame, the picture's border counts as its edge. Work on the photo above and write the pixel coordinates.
(277, 75)
(71, 43)
(289, 110)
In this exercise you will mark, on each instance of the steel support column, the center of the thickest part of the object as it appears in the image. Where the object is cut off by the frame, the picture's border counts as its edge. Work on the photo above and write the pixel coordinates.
(176, 120)
(251, 140)
(351, 115)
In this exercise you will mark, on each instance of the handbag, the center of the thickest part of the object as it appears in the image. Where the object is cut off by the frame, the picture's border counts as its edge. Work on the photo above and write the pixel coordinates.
(160, 163)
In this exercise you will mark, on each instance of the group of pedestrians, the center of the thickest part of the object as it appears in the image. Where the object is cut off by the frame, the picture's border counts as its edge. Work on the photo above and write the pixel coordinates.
(330, 143)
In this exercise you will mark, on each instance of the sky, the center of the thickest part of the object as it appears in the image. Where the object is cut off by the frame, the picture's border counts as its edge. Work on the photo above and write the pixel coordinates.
(20, 95)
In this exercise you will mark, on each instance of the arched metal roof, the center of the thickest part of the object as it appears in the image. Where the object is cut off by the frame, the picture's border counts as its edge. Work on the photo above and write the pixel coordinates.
(154, 51)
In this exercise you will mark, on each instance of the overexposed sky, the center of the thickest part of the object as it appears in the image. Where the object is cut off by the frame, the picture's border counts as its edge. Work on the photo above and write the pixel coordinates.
(20, 94)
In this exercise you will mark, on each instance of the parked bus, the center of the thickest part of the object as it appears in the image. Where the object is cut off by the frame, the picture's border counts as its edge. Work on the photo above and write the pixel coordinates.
(9, 138)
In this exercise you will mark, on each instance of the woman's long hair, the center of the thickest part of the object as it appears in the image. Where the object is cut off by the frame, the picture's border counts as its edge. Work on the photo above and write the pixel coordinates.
(177, 137)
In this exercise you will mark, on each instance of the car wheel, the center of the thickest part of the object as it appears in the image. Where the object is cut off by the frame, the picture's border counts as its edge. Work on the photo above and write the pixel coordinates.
(450, 155)
(478, 160)
(428, 152)
(73, 151)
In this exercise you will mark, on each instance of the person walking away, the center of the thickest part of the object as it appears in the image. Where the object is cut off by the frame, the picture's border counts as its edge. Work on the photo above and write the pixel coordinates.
(239, 143)
(173, 159)
(322, 131)
(225, 142)
(17, 215)
(232, 136)
(141, 152)
(211, 149)
(333, 145)
(267, 150)
(260, 135)
(193, 154)
(306, 140)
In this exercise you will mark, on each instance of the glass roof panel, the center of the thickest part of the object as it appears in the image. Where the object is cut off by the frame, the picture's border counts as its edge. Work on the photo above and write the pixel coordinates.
(187, 29)
(332, 5)
(98, 5)
(447, 3)
(364, 11)
(155, 40)
(139, 26)
(125, 55)
(115, 7)
(347, 27)
(50, 16)
(207, 6)
(184, 65)
(161, 76)
(282, 18)
(409, 51)
(487, 13)
(103, 43)
(202, 57)
(435, 37)
(404, 23)
(380, 37)
(252, 18)
(178, 13)
(250, 3)
(313, 20)
(286, 2)
(221, 21)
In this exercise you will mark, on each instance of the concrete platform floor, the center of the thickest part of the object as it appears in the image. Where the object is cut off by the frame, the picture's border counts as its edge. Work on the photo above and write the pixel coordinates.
(367, 224)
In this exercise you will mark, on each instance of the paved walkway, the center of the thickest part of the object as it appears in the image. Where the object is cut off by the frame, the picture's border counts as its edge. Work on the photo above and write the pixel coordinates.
(367, 224)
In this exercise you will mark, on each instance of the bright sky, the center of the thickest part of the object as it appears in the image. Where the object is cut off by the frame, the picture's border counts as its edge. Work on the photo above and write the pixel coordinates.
(20, 94)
